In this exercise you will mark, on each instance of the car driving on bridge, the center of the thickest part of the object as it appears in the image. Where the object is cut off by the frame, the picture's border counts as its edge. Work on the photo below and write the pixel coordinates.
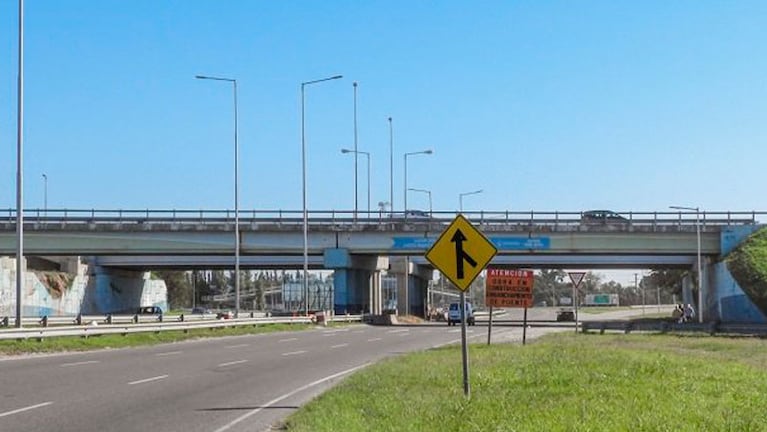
(602, 217)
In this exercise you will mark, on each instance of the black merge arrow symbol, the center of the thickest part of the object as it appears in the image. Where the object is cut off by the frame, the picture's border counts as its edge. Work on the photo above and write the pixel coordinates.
(460, 255)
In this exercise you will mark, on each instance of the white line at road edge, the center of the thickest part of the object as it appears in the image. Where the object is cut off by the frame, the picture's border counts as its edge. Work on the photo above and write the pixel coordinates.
(287, 340)
(340, 345)
(287, 395)
(232, 363)
(148, 380)
(25, 409)
(169, 353)
(80, 363)
(293, 353)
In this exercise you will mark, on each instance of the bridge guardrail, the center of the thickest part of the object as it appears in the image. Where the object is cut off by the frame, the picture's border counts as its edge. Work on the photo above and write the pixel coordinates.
(96, 217)
(93, 330)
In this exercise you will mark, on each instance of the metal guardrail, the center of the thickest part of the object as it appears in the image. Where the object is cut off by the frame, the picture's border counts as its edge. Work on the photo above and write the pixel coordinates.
(711, 328)
(87, 330)
(96, 217)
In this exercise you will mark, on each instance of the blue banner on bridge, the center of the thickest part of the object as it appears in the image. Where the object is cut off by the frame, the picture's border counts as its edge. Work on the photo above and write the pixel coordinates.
(502, 243)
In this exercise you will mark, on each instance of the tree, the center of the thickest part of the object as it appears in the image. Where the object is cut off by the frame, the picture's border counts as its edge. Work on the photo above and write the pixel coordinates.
(179, 287)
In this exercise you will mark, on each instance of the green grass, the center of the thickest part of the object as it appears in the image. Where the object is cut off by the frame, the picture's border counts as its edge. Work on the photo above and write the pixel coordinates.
(59, 344)
(562, 382)
(748, 265)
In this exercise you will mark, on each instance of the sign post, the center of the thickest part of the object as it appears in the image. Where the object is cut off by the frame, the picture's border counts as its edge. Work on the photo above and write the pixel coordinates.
(576, 278)
(461, 253)
(509, 289)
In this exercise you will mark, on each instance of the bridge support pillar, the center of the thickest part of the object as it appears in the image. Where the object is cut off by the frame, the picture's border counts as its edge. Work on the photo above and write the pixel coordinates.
(112, 290)
(412, 286)
(356, 281)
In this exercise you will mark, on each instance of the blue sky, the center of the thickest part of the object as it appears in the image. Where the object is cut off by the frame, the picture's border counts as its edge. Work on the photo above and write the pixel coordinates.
(555, 105)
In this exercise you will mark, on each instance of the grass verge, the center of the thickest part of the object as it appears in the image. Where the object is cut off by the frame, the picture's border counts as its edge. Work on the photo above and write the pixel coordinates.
(562, 382)
(74, 343)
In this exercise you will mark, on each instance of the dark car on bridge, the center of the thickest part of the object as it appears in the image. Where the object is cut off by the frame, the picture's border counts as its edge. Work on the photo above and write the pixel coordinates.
(602, 217)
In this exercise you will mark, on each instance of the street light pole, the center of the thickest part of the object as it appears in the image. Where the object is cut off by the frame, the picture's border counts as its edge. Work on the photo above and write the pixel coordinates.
(303, 186)
(460, 197)
(20, 173)
(236, 196)
(391, 167)
(700, 264)
(425, 152)
(426, 192)
(45, 193)
(367, 154)
(354, 84)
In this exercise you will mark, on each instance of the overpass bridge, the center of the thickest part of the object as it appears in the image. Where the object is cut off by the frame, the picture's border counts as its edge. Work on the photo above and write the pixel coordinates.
(359, 245)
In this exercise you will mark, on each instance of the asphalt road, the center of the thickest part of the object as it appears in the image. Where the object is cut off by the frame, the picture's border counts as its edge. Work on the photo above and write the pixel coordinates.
(242, 383)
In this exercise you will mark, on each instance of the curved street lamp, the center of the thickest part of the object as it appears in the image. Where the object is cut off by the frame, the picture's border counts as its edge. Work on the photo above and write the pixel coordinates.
(236, 196)
(303, 185)
(367, 154)
(428, 192)
(461, 195)
(424, 152)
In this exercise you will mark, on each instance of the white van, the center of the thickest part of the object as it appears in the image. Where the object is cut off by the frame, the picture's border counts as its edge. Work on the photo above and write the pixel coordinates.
(454, 314)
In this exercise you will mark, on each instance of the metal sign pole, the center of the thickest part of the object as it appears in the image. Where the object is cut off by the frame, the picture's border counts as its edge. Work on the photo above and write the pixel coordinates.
(490, 325)
(464, 348)
(524, 327)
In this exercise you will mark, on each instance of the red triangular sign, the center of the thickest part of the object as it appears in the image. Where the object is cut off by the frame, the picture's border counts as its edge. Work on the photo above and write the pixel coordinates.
(576, 277)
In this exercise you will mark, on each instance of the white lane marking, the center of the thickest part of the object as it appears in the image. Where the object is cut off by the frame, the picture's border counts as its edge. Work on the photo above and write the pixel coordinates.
(340, 345)
(148, 380)
(287, 340)
(232, 363)
(80, 363)
(454, 331)
(16, 411)
(374, 339)
(169, 353)
(398, 331)
(237, 346)
(287, 395)
(330, 334)
(336, 331)
(293, 353)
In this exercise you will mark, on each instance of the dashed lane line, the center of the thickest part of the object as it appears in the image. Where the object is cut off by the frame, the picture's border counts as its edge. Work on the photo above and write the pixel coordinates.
(146, 380)
(16, 411)
(340, 345)
(169, 353)
(293, 353)
(80, 363)
(232, 363)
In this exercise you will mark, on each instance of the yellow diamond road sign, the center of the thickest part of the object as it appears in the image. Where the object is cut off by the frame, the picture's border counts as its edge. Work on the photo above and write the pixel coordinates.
(461, 252)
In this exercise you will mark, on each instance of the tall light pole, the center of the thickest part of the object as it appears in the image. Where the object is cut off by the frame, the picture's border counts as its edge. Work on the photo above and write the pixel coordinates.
(461, 195)
(236, 196)
(367, 154)
(20, 172)
(424, 152)
(391, 167)
(303, 185)
(45, 193)
(426, 192)
(356, 153)
(700, 265)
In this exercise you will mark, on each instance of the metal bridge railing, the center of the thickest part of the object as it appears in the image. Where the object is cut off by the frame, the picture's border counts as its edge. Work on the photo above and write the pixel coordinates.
(349, 217)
